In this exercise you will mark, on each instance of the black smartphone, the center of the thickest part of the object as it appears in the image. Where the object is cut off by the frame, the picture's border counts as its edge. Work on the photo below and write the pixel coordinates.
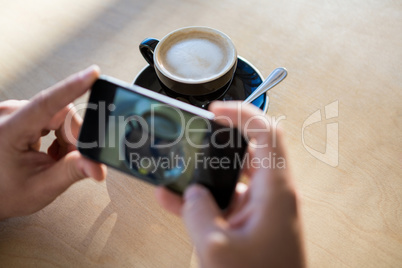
(160, 140)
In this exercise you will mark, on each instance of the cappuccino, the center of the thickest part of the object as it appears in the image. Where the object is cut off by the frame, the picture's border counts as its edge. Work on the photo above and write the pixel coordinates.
(192, 61)
(196, 56)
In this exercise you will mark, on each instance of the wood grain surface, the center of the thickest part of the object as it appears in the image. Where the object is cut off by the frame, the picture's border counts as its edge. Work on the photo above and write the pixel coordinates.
(343, 55)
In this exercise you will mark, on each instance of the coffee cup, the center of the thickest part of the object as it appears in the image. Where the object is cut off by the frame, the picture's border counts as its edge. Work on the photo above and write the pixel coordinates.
(192, 61)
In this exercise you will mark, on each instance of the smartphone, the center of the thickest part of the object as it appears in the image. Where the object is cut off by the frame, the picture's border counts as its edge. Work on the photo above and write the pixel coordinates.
(160, 140)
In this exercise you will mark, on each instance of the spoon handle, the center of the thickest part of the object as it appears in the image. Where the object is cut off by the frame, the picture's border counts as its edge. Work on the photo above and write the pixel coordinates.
(272, 80)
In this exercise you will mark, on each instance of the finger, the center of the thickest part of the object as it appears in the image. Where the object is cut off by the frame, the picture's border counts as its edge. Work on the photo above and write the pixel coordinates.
(58, 151)
(66, 136)
(57, 120)
(241, 193)
(169, 201)
(241, 217)
(201, 214)
(269, 163)
(240, 198)
(70, 128)
(53, 150)
(253, 124)
(53, 181)
(48, 103)
(9, 106)
(248, 169)
(251, 121)
(36, 145)
(243, 116)
(272, 185)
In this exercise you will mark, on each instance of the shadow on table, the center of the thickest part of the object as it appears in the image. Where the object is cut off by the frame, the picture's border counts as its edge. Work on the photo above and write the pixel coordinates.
(138, 226)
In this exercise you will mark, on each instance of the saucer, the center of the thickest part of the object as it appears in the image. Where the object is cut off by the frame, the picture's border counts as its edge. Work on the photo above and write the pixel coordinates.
(246, 79)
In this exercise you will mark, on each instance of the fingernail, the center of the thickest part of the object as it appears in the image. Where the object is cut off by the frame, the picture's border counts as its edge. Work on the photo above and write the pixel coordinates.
(194, 192)
(88, 72)
(213, 104)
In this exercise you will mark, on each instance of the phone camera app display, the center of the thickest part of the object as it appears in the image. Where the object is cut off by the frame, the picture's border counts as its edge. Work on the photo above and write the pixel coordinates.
(159, 141)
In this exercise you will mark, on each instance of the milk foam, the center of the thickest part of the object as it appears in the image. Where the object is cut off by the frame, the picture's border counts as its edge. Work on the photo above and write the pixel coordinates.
(195, 58)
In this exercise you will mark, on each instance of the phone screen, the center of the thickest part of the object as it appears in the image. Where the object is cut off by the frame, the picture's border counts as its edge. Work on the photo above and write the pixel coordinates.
(144, 135)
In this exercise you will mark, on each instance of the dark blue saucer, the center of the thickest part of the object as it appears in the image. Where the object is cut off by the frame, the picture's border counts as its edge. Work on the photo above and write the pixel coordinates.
(247, 78)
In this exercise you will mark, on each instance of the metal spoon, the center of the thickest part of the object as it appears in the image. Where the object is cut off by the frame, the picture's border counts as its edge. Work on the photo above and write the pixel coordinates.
(272, 80)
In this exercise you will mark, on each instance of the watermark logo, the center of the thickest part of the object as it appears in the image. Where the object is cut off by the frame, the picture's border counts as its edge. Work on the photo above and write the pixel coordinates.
(144, 135)
(331, 154)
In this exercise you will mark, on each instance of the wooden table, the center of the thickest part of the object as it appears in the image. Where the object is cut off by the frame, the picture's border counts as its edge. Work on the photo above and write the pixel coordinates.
(345, 72)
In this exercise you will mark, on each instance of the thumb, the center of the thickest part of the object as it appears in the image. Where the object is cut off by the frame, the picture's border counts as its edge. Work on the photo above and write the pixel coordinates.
(68, 170)
(200, 214)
